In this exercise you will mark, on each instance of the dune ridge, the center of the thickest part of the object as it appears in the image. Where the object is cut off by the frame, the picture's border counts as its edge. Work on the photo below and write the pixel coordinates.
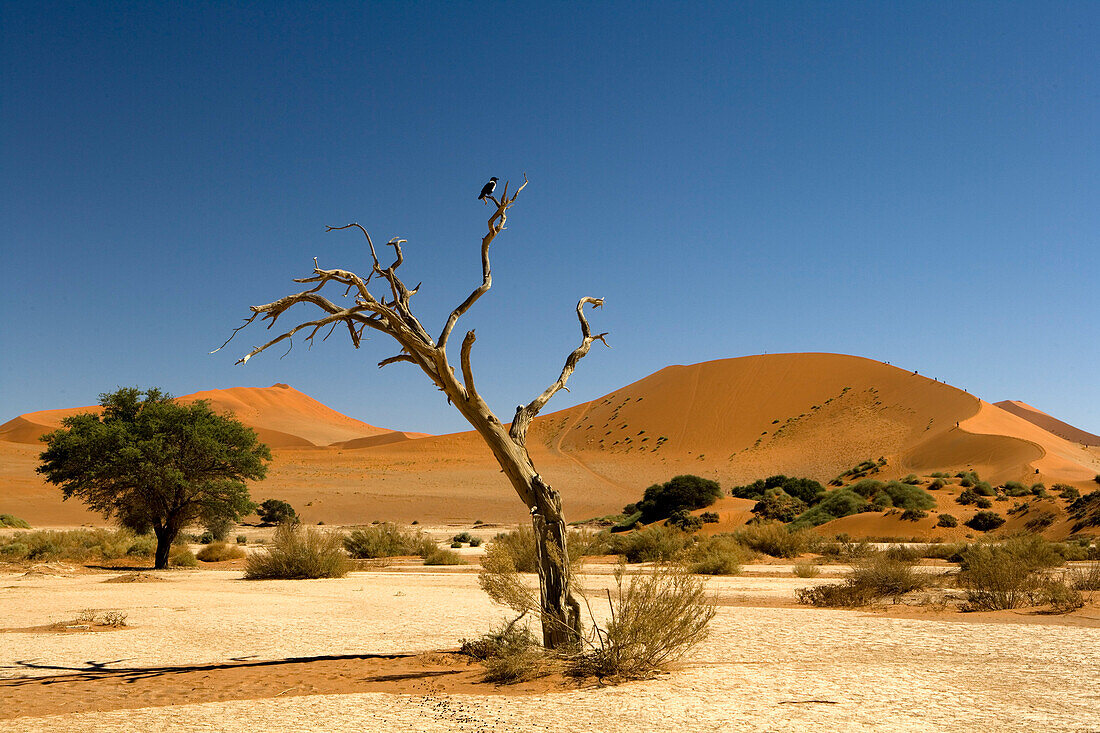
(731, 420)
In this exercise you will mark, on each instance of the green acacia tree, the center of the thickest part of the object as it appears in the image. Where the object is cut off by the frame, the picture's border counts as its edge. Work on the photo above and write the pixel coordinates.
(152, 463)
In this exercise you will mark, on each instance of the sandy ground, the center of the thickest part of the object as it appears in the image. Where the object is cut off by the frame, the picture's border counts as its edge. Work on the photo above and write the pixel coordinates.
(207, 651)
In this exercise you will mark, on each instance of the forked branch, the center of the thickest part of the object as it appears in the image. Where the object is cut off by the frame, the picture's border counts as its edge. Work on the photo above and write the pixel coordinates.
(526, 413)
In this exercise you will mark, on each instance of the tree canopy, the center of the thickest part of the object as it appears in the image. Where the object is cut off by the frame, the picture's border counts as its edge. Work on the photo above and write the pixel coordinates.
(152, 463)
(685, 492)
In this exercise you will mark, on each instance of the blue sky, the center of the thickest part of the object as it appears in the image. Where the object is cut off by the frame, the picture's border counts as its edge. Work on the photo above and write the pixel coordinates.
(916, 183)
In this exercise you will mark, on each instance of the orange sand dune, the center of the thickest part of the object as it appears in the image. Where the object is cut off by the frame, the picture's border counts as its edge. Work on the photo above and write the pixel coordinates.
(282, 416)
(1049, 423)
(732, 420)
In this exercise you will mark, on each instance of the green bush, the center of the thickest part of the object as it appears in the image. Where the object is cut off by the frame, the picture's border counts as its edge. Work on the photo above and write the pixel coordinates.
(7, 520)
(1067, 492)
(684, 521)
(912, 515)
(778, 505)
(836, 504)
(276, 511)
(242, 539)
(681, 492)
(911, 479)
(296, 552)
(463, 538)
(947, 520)
(774, 539)
(983, 503)
(1014, 488)
(985, 521)
(984, 488)
(967, 497)
(219, 551)
(805, 490)
(709, 517)
(937, 483)
(387, 540)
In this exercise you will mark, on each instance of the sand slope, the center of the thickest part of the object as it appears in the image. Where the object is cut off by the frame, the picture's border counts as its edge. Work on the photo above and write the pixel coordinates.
(732, 420)
(1049, 423)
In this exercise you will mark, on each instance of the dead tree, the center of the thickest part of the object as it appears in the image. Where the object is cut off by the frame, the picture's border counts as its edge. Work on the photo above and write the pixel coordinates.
(391, 313)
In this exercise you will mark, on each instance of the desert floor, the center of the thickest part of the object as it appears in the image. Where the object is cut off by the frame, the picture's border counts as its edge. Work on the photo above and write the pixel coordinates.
(205, 650)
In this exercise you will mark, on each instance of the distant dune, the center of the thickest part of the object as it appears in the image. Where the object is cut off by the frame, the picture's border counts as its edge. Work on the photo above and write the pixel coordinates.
(732, 420)
(282, 416)
(1048, 423)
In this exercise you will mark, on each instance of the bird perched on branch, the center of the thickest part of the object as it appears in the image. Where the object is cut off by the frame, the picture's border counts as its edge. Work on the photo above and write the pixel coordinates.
(487, 190)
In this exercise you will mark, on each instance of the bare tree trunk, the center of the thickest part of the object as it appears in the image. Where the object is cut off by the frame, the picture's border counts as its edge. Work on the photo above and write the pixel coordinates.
(392, 314)
(164, 547)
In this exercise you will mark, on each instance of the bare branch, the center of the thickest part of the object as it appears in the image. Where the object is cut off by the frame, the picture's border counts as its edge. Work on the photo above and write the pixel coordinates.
(395, 359)
(526, 413)
(496, 225)
(464, 360)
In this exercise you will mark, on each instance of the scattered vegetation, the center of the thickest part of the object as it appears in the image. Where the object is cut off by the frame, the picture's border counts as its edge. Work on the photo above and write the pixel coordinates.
(76, 545)
(947, 520)
(299, 552)
(7, 520)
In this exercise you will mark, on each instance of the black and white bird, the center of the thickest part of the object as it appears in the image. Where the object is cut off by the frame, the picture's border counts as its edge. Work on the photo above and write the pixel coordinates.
(487, 190)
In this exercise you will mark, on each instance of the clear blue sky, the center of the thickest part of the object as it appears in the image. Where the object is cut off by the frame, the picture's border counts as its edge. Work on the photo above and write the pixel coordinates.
(912, 182)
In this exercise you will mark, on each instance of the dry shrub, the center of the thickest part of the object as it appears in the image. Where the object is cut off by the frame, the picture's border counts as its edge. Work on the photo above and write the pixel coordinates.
(806, 569)
(873, 578)
(1086, 577)
(584, 543)
(1006, 575)
(652, 544)
(298, 552)
(78, 545)
(717, 555)
(219, 551)
(1059, 595)
(519, 546)
(511, 654)
(775, 539)
(442, 556)
(387, 540)
(181, 557)
(656, 618)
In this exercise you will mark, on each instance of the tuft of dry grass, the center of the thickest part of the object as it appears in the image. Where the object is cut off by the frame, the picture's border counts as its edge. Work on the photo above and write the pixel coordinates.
(717, 555)
(775, 539)
(387, 540)
(443, 556)
(806, 569)
(220, 551)
(656, 618)
(297, 552)
(872, 578)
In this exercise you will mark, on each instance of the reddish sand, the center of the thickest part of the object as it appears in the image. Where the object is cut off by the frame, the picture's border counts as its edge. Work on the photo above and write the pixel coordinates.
(732, 420)
(1049, 423)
